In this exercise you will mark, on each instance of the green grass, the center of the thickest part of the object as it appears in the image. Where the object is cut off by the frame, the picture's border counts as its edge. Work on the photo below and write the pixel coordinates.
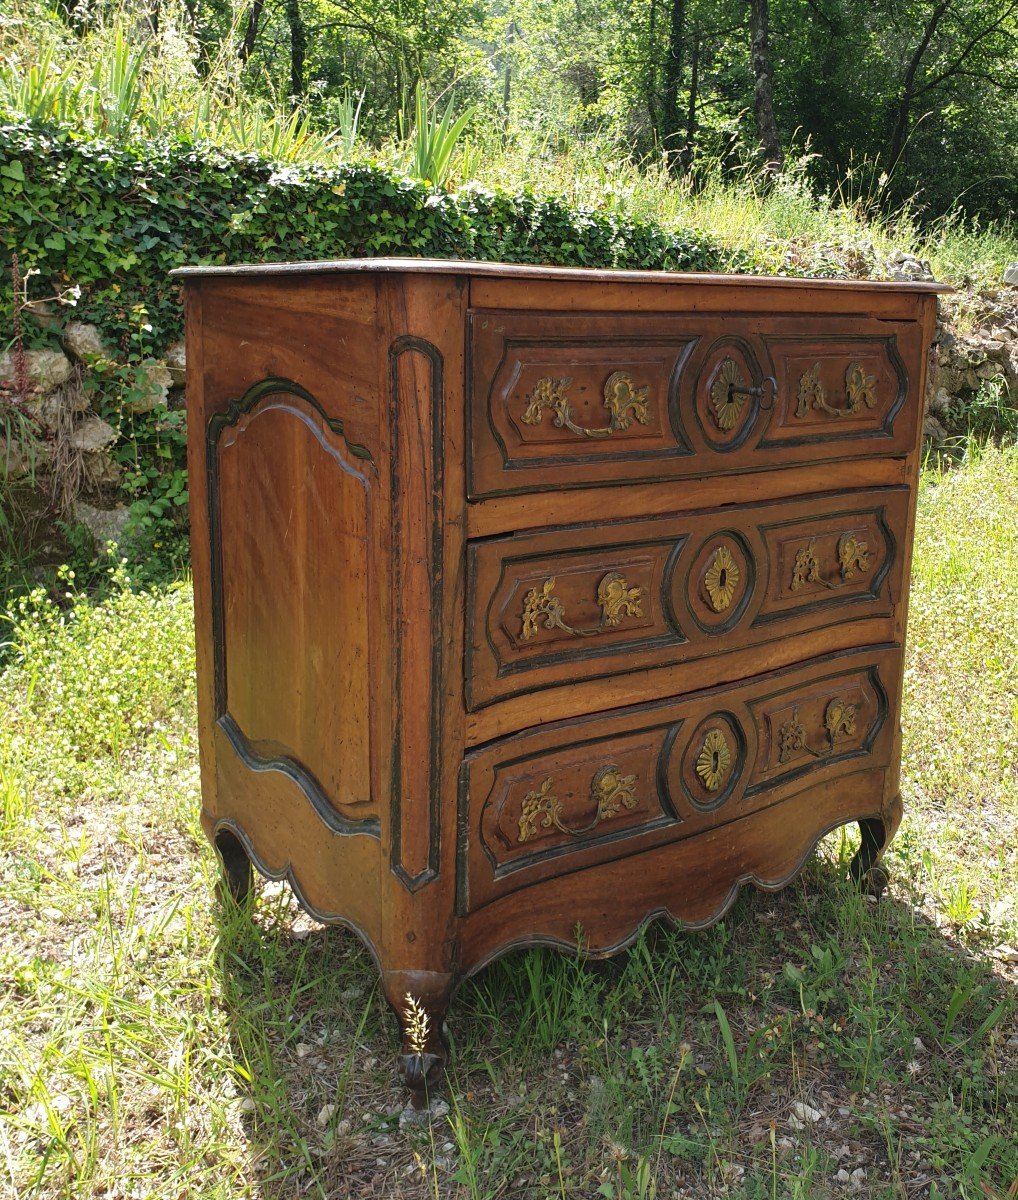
(115, 84)
(765, 225)
(153, 1044)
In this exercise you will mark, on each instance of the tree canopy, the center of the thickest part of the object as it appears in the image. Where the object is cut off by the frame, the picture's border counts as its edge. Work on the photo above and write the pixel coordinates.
(889, 101)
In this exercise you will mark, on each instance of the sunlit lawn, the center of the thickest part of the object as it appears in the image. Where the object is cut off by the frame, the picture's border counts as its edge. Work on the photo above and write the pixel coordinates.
(811, 1044)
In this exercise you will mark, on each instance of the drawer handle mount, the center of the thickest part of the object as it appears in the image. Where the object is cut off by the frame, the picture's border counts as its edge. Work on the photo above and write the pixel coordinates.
(622, 399)
(721, 579)
(610, 792)
(839, 722)
(860, 389)
(616, 598)
(853, 558)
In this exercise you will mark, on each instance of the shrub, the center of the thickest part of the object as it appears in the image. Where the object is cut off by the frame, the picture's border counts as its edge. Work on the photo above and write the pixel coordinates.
(115, 220)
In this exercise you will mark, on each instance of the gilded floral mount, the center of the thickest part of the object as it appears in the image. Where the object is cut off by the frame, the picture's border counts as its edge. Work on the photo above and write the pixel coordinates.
(853, 559)
(839, 722)
(610, 791)
(624, 401)
(860, 389)
(714, 759)
(615, 597)
(728, 394)
(721, 579)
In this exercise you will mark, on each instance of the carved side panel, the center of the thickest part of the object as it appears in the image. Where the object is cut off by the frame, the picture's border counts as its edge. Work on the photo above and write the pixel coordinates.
(290, 505)
(416, 414)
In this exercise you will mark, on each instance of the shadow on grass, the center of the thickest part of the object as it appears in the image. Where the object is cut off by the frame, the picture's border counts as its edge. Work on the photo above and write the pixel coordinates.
(810, 1033)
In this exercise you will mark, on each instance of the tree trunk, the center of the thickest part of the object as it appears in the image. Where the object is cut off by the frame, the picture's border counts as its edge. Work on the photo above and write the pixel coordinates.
(507, 82)
(298, 47)
(671, 120)
(254, 18)
(763, 85)
(694, 89)
(905, 99)
(650, 83)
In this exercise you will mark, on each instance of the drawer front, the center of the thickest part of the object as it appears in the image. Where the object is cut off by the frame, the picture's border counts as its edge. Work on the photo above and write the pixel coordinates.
(557, 606)
(576, 794)
(586, 399)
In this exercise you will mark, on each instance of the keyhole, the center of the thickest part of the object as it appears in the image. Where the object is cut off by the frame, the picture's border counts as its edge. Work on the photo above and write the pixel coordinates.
(723, 577)
(716, 762)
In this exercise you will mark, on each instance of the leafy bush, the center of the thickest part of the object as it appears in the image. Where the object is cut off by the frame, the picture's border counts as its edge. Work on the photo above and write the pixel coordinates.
(68, 707)
(434, 138)
(115, 220)
(105, 73)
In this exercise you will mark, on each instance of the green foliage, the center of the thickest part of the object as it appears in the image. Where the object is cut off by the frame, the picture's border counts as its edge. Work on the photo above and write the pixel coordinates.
(116, 84)
(117, 220)
(347, 111)
(117, 87)
(40, 90)
(845, 88)
(893, 105)
(79, 707)
(434, 137)
(917, 103)
(990, 413)
(151, 450)
(281, 138)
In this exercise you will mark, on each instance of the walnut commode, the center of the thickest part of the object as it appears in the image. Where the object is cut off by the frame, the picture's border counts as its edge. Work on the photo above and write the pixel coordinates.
(534, 599)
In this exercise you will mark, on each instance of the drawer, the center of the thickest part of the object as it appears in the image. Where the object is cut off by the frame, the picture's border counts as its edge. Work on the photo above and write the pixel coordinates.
(586, 399)
(576, 794)
(560, 605)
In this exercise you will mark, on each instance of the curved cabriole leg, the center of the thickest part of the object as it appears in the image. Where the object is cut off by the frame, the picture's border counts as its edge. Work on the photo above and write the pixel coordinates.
(236, 866)
(420, 1000)
(867, 872)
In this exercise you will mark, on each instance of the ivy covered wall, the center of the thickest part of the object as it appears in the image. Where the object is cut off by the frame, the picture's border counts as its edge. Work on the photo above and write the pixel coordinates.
(115, 221)
(91, 366)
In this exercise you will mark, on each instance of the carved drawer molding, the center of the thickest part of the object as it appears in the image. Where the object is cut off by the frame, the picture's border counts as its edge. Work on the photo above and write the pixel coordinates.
(588, 792)
(550, 607)
(588, 400)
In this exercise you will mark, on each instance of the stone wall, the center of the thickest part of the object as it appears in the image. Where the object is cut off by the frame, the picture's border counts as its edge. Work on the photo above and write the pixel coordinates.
(55, 439)
(968, 365)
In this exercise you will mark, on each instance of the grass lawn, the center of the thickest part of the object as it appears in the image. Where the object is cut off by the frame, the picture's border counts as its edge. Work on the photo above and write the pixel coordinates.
(813, 1043)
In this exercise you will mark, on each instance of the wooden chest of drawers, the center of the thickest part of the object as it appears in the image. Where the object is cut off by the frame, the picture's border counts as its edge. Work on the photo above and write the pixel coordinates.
(530, 599)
